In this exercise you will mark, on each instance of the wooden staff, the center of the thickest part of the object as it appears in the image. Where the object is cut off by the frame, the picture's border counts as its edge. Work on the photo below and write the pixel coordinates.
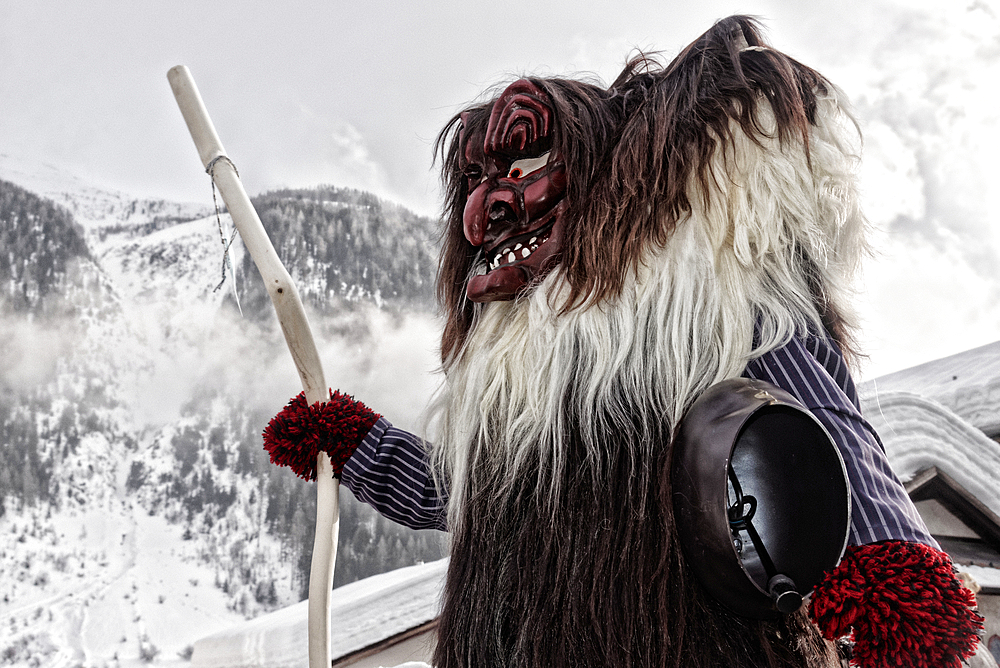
(298, 336)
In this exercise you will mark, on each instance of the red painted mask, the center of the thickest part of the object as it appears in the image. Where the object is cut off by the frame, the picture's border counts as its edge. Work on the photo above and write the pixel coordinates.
(517, 186)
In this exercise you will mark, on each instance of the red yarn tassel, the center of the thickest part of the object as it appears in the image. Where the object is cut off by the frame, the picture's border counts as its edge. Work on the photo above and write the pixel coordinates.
(296, 435)
(904, 603)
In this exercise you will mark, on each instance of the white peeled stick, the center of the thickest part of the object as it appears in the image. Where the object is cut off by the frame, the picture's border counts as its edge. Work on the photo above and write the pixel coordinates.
(298, 336)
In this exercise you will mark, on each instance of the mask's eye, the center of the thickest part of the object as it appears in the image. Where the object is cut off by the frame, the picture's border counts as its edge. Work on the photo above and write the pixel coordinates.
(473, 172)
(521, 168)
(473, 175)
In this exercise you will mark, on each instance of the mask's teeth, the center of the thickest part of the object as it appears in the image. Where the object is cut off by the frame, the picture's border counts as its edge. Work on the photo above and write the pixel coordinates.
(520, 251)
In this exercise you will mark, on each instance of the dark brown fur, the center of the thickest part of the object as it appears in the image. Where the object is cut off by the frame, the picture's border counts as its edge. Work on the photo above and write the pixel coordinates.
(604, 583)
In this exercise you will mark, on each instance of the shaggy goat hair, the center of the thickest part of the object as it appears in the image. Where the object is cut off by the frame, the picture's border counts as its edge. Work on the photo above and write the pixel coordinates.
(708, 199)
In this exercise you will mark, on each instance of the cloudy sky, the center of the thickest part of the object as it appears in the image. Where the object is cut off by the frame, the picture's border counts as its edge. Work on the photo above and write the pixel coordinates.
(353, 93)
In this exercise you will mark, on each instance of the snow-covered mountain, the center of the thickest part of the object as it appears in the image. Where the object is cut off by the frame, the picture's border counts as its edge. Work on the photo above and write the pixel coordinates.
(138, 511)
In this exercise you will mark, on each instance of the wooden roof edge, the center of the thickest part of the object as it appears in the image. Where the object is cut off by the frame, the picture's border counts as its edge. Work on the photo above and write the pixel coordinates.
(385, 643)
(933, 483)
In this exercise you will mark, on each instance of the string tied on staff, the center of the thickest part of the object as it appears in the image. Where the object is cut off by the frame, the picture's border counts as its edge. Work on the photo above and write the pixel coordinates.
(226, 260)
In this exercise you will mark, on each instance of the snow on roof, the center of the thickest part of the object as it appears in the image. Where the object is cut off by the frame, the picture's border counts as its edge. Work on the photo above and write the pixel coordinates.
(967, 383)
(919, 433)
(362, 613)
(942, 414)
(984, 577)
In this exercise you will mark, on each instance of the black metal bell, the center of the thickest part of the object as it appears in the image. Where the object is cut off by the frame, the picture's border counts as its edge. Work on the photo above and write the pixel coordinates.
(761, 497)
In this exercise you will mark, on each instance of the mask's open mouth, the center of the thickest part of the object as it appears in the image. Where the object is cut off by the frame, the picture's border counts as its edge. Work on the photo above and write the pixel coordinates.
(515, 262)
(520, 247)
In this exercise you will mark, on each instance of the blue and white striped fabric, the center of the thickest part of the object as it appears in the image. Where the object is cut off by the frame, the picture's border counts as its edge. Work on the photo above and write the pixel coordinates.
(814, 372)
(390, 471)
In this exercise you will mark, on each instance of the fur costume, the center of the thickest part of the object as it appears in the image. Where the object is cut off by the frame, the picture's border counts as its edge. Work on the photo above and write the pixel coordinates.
(670, 229)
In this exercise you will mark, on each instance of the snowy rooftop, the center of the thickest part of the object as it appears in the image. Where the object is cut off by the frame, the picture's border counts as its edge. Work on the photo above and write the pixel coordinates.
(968, 384)
(939, 414)
(919, 433)
(362, 613)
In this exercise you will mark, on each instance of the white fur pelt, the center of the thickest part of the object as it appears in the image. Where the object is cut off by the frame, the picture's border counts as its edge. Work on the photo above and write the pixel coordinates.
(780, 230)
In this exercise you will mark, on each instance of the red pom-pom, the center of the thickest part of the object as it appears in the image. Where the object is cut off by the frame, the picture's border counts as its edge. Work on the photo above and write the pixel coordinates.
(904, 603)
(296, 435)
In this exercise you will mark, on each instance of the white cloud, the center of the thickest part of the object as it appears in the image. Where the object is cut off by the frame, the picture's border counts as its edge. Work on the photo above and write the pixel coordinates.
(928, 103)
(890, 177)
(30, 351)
(311, 147)
(923, 302)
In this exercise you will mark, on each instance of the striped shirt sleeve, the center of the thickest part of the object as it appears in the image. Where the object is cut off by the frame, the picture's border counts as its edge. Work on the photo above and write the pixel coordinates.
(813, 370)
(390, 472)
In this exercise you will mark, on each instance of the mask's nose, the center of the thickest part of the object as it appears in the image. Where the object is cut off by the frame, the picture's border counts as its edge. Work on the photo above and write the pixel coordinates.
(474, 217)
(489, 213)
(500, 213)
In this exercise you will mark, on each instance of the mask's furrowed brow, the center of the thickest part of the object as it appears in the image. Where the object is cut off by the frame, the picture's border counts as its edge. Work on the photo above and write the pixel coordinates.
(521, 120)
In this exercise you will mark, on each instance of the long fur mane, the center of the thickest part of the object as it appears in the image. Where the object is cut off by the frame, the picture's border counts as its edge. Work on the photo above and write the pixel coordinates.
(642, 153)
(713, 215)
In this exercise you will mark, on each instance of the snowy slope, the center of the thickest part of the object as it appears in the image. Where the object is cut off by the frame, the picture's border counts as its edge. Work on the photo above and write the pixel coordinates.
(122, 558)
(107, 585)
(94, 576)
